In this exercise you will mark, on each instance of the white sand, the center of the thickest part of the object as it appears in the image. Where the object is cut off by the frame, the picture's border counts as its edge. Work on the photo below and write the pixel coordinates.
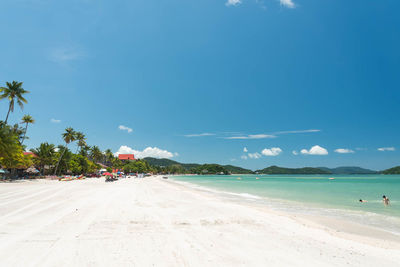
(155, 222)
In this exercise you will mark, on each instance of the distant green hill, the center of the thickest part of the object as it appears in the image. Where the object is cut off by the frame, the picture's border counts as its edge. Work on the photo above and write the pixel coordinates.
(280, 170)
(237, 170)
(168, 163)
(394, 170)
(198, 168)
(348, 170)
(217, 169)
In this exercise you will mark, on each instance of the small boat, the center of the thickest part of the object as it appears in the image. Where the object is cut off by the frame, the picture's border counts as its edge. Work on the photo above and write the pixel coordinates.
(331, 178)
(165, 177)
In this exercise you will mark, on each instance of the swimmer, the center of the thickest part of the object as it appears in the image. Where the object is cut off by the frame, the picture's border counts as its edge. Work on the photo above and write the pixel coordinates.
(385, 200)
(361, 200)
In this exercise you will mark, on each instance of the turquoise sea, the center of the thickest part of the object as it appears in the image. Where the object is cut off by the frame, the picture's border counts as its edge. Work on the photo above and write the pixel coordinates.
(314, 194)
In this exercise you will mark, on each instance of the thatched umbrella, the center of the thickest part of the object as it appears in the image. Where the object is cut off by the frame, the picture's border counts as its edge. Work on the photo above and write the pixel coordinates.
(31, 170)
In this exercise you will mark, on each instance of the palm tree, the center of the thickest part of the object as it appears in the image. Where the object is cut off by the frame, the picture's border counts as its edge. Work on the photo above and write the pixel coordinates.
(13, 92)
(19, 131)
(109, 156)
(96, 154)
(45, 155)
(81, 140)
(69, 136)
(26, 119)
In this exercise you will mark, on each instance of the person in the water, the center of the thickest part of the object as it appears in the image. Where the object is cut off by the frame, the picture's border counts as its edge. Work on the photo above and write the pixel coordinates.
(362, 200)
(385, 200)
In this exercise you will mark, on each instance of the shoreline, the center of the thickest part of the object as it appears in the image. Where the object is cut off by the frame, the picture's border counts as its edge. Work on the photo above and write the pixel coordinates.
(155, 221)
(341, 227)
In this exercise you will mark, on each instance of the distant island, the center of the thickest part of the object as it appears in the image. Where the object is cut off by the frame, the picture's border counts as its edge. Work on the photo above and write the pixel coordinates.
(394, 170)
(171, 166)
(280, 170)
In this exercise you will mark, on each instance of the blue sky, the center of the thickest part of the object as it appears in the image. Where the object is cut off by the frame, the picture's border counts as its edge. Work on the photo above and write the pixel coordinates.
(200, 81)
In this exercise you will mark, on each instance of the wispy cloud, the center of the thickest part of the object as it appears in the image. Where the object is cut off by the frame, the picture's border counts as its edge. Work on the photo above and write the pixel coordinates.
(315, 150)
(55, 121)
(199, 135)
(298, 131)
(386, 149)
(245, 150)
(294, 152)
(125, 128)
(271, 152)
(251, 136)
(154, 152)
(287, 3)
(233, 2)
(344, 151)
(254, 155)
(243, 157)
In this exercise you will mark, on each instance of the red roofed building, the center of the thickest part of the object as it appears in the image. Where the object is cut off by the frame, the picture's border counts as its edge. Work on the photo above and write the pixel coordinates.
(30, 154)
(125, 157)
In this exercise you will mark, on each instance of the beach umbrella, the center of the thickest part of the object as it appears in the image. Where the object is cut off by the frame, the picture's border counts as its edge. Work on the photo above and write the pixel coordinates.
(106, 173)
(31, 170)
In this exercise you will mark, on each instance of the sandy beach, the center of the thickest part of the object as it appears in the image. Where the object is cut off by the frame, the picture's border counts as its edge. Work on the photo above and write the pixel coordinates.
(156, 222)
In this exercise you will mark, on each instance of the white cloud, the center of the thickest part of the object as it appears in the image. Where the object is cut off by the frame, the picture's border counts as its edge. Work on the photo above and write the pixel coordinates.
(386, 149)
(254, 155)
(154, 152)
(245, 150)
(315, 150)
(299, 131)
(294, 152)
(344, 151)
(125, 128)
(271, 152)
(233, 2)
(243, 157)
(199, 135)
(251, 136)
(287, 3)
(55, 121)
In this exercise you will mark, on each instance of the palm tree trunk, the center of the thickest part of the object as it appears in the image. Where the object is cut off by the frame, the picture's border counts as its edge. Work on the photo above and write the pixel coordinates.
(8, 113)
(26, 129)
(62, 154)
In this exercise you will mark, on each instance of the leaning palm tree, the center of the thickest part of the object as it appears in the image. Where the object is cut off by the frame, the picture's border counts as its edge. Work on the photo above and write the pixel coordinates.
(13, 92)
(81, 140)
(69, 136)
(26, 119)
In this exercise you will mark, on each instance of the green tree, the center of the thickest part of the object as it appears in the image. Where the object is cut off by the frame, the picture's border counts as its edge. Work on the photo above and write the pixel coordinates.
(81, 138)
(109, 156)
(69, 136)
(9, 144)
(46, 156)
(27, 119)
(65, 162)
(11, 152)
(96, 154)
(13, 92)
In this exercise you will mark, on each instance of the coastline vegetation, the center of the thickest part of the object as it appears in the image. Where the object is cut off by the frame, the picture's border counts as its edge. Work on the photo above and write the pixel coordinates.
(51, 159)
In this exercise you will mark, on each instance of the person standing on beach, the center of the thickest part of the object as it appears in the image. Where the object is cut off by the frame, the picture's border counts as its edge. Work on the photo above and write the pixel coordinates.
(386, 200)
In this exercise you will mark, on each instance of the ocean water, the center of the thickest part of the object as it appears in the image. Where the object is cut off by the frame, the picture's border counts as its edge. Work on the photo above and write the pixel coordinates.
(314, 194)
